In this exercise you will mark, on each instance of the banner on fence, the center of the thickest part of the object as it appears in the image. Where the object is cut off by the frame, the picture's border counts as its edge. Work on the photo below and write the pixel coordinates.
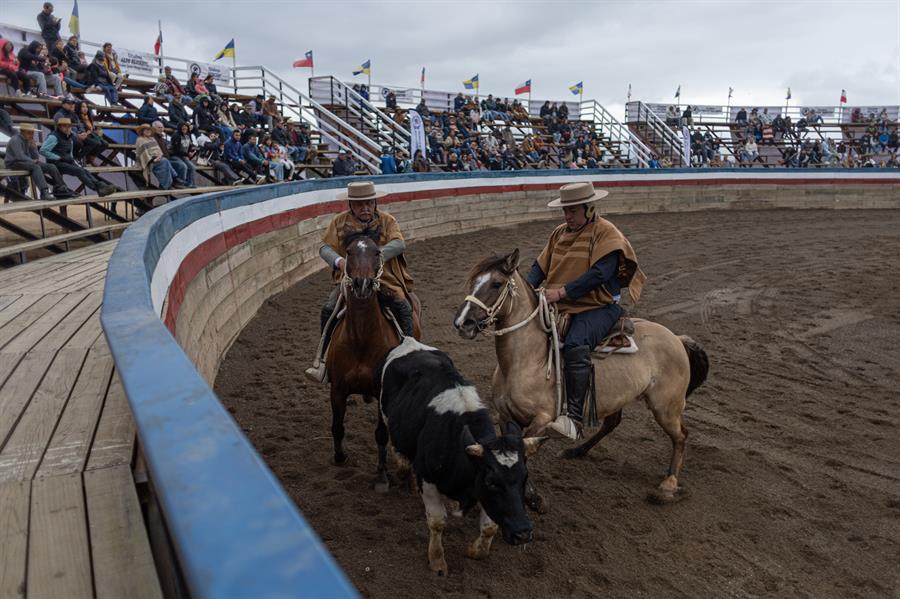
(416, 134)
(220, 73)
(138, 63)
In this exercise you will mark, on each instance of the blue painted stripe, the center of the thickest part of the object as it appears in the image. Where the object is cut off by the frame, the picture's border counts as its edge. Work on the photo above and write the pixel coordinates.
(236, 531)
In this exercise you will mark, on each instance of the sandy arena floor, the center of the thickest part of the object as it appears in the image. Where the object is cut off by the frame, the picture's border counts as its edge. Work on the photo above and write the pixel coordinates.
(793, 459)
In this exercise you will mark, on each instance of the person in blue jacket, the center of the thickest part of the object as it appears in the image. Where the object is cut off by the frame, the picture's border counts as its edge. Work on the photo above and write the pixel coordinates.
(388, 164)
(234, 157)
(254, 156)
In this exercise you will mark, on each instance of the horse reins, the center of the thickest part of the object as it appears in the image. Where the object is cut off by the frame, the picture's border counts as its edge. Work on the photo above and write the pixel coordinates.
(346, 281)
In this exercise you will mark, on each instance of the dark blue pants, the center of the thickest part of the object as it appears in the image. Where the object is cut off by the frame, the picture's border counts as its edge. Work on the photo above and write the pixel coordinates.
(589, 328)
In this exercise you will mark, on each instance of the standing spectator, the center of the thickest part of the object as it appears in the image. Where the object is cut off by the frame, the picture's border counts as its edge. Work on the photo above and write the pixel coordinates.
(390, 100)
(58, 150)
(234, 157)
(49, 25)
(111, 62)
(343, 166)
(151, 158)
(212, 152)
(252, 153)
(22, 154)
(687, 117)
(10, 68)
(184, 170)
(98, 76)
(388, 163)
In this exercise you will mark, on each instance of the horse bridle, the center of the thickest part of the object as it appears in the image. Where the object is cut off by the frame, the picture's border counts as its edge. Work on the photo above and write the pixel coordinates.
(492, 311)
(346, 281)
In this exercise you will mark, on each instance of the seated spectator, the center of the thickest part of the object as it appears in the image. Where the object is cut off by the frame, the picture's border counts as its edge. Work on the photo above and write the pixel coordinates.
(390, 101)
(172, 82)
(162, 89)
(277, 155)
(22, 154)
(741, 118)
(270, 112)
(654, 162)
(233, 156)
(422, 109)
(182, 148)
(453, 163)
(750, 151)
(420, 165)
(49, 24)
(62, 71)
(148, 113)
(209, 83)
(111, 63)
(206, 119)
(252, 153)
(563, 111)
(303, 150)
(388, 163)
(34, 66)
(150, 157)
(184, 171)
(687, 117)
(58, 149)
(672, 116)
(74, 55)
(89, 136)
(16, 77)
(195, 87)
(458, 102)
(519, 113)
(343, 166)
(254, 109)
(177, 112)
(98, 76)
(212, 153)
(6, 125)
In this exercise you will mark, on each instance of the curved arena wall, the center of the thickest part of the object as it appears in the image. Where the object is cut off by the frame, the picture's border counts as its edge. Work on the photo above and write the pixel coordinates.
(186, 278)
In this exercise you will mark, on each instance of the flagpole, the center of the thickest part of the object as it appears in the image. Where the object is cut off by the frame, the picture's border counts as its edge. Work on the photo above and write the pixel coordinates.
(234, 69)
(161, 53)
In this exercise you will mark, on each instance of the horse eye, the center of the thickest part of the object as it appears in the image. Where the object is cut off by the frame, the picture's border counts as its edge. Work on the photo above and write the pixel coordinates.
(496, 285)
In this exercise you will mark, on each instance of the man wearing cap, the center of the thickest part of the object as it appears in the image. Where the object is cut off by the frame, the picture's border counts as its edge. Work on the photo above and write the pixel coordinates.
(22, 154)
(58, 149)
(584, 266)
(396, 282)
(343, 166)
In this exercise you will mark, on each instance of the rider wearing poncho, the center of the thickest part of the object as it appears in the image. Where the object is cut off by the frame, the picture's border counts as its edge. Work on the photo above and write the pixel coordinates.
(584, 266)
(396, 283)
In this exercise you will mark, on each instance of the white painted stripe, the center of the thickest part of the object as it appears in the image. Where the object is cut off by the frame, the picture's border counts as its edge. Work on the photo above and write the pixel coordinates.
(458, 400)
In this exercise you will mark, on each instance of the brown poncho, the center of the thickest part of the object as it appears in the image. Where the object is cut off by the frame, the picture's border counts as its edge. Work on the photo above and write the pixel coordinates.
(395, 280)
(568, 255)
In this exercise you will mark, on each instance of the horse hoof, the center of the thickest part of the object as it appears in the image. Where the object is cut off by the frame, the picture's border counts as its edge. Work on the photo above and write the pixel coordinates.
(439, 567)
(340, 459)
(667, 496)
(476, 553)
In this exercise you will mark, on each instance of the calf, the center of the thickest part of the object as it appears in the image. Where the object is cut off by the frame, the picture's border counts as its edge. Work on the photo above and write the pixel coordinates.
(436, 420)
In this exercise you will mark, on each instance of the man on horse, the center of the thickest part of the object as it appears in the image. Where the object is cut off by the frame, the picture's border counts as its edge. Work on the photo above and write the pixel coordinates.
(584, 266)
(364, 216)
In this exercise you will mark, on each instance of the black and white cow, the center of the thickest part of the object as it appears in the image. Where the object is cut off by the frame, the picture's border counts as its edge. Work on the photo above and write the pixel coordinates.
(437, 421)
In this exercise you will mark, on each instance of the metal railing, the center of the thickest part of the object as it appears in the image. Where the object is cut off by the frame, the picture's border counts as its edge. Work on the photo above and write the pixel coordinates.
(637, 152)
(666, 141)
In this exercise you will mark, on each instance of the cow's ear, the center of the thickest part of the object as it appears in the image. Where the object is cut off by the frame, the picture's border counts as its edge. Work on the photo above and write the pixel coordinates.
(511, 263)
(476, 450)
(532, 444)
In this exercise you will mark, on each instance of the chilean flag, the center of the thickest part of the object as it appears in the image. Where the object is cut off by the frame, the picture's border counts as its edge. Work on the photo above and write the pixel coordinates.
(525, 88)
(843, 96)
(306, 61)
(158, 45)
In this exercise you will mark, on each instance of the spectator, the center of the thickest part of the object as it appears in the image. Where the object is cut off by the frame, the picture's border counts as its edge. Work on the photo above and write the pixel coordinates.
(98, 76)
(205, 118)
(90, 137)
(49, 25)
(750, 151)
(22, 154)
(63, 72)
(343, 166)
(741, 118)
(277, 168)
(182, 149)
(211, 153)
(73, 53)
(301, 142)
(184, 171)
(162, 89)
(252, 153)
(654, 162)
(49, 67)
(255, 111)
(364, 92)
(672, 116)
(151, 158)
(56, 50)
(388, 163)
(58, 150)
(172, 82)
(6, 125)
(563, 111)
(458, 102)
(31, 62)
(420, 165)
(209, 83)
(422, 109)
(390, 100)
(453, 164)
(687, 118)
(234, 158)
(148, 113)
(111, 62)
(16, 77)
(177, 112)
(270, 112)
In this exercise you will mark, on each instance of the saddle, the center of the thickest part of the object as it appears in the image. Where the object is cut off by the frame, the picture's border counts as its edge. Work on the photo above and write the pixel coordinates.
(620, 339)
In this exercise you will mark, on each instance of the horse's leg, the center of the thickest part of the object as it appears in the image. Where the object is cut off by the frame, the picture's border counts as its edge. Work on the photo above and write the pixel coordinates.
(609, 424)
(533, 499)
(338, 409)
(381, 438)
(670, 419)
(436, 515)
(481, 546)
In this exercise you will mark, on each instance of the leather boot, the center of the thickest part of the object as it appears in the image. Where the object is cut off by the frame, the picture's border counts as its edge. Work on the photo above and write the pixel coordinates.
(317, 373)
(578, 381)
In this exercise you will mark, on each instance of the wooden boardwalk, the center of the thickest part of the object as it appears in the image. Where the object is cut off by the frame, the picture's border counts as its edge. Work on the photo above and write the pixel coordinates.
(70, 520)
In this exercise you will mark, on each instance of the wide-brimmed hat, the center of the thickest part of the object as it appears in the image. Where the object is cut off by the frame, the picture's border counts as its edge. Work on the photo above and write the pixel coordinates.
(27, 127)
(573, 194)
(63, 121)
(363, 190)
(143, 126)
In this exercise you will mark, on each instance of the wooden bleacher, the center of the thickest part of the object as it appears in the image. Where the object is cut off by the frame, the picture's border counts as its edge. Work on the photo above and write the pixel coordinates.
(71, 522)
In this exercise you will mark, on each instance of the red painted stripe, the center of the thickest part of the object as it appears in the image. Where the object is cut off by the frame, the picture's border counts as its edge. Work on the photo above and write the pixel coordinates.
(212, 248)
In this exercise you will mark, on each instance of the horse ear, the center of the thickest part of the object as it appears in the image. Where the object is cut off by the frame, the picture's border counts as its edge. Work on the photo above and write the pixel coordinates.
(511, 262)
(532, 444)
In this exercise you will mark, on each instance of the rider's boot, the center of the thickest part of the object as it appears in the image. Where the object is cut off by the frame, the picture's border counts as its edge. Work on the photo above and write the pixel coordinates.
(317, 373)
(403, 313)
(578, 382)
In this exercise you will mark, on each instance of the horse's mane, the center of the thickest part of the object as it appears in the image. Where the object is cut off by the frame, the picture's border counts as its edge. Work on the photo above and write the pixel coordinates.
(493, 262)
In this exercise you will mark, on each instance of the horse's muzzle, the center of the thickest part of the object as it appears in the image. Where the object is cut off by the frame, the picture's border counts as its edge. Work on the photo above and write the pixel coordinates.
(467, 328)
(362, 288)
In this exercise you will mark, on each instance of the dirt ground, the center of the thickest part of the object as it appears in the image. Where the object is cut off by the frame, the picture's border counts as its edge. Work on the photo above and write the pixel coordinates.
(793, 459)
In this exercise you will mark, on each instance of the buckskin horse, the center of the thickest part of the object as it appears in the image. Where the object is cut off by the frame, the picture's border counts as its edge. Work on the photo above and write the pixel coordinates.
(663, 372)
(363, 337)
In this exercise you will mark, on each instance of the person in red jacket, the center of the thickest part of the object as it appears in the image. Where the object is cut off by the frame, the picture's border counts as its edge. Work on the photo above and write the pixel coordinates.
(10, 68)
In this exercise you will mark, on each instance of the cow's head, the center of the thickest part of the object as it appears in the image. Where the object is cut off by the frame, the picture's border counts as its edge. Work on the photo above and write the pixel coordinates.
(500, 479)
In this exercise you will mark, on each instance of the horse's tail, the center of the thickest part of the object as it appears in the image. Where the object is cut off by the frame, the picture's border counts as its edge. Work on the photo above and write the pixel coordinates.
(699, 362)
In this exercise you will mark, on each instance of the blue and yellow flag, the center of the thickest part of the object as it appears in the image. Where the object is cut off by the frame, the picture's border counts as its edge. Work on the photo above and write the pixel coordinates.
(74, 26)
(577, 88)
(364, 69)
(471, 83)
(228, 50)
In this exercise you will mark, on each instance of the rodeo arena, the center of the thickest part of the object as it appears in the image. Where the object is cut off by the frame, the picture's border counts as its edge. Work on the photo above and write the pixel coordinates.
(343, 339)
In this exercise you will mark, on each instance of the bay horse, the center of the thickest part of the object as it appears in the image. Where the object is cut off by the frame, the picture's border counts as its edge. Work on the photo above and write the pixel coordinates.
(362, 338)
(663, 372)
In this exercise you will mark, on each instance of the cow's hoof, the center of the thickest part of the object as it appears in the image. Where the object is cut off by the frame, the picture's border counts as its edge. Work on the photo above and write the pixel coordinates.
(537, 503)
(438, 566)
(476, 552)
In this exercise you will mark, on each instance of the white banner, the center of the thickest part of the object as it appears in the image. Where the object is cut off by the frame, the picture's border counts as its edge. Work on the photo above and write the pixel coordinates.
(220, 73)
(138, 63)
(416, 134)
(686, 134)
(405, 96)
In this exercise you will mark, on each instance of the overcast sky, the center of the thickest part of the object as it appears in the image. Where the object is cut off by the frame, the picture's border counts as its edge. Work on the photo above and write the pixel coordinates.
(760, 48)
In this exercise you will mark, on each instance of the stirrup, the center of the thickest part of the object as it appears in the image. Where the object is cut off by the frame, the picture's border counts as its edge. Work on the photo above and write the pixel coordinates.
(317, 373)
(565, 428)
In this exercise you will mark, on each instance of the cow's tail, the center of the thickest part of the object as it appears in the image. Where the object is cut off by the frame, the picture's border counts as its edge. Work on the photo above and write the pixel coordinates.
(699, 362)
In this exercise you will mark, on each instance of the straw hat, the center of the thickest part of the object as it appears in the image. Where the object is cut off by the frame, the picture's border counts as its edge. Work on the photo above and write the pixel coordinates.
(27, 127)
(63, 121)
(572, 194)
(364, 190)
(143, 126)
